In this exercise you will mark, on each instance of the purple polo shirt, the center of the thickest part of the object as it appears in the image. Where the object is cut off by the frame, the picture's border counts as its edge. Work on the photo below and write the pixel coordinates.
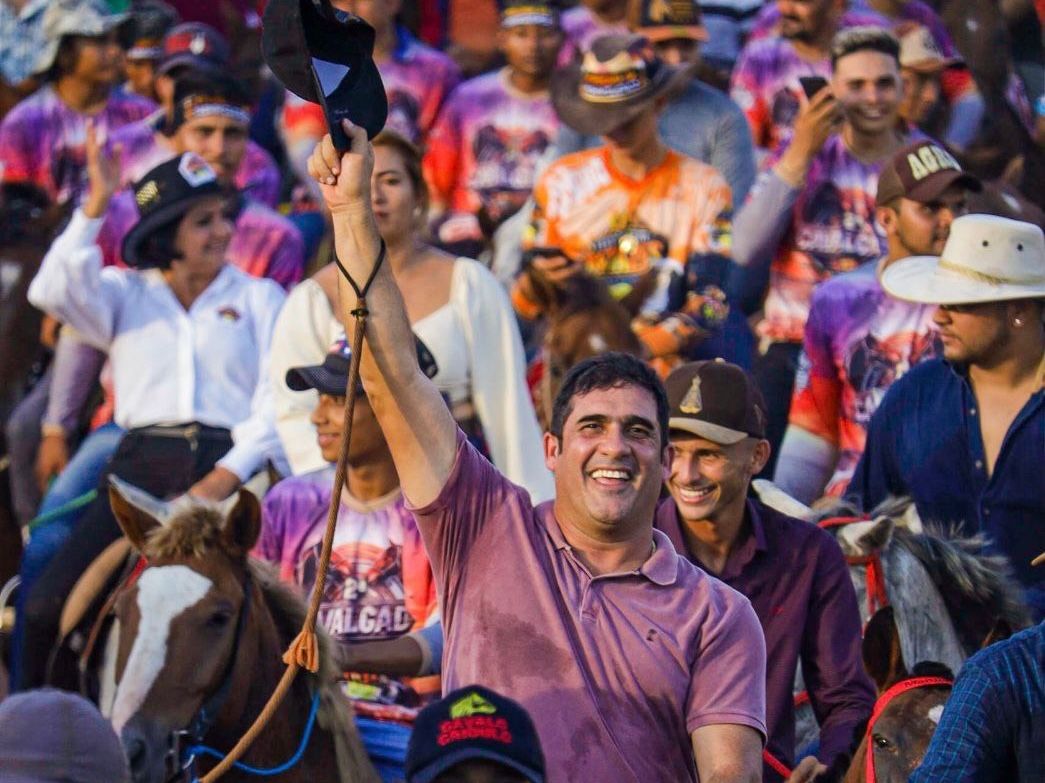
(618, 670)
(798, 582)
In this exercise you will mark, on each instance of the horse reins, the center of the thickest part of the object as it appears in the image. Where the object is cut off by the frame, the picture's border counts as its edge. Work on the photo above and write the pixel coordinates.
(883, 702)
(303, 652)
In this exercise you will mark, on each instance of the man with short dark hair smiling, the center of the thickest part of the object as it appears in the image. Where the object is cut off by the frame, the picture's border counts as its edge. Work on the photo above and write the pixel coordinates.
(793, 573)
(640, 666)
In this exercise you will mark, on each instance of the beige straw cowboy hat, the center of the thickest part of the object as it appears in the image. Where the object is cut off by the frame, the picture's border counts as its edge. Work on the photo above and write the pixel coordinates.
(986, 259)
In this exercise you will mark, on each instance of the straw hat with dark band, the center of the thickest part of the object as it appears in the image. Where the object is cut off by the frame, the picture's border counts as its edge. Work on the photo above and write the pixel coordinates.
(616, 80)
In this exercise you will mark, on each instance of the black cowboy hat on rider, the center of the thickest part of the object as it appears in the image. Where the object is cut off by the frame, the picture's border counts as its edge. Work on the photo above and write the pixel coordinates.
(187, 336)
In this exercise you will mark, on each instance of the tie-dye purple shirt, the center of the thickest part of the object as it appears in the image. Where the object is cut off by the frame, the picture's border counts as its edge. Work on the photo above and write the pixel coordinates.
(580, 28)
(42, 140)
(143, 148)
(484, 150)
(264, 243)
(858, 341)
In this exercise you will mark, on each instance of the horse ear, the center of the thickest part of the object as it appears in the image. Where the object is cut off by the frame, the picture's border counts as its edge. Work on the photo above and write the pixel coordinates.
(883, 658)
(877, 538)
(243, 523)
(136, 520)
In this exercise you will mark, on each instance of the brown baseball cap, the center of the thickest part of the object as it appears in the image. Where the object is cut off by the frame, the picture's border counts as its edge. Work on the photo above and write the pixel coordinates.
(715, 400)
(921, 172)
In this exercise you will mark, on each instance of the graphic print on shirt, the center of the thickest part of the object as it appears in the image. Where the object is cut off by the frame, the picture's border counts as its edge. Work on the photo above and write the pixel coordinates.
(506, 167)
(875, 362)
(625, 253)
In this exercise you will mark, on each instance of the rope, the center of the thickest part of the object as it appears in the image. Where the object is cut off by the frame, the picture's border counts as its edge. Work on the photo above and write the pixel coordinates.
(203, 750)
(303, 652)
(73, 505)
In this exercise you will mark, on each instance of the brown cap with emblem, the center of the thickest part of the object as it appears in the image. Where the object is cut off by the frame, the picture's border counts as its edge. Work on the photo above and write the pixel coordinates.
(921, 172)
(663, 20)
(715, 400)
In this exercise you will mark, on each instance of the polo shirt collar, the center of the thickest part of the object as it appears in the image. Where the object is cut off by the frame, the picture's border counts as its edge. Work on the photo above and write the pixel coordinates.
(661, 567)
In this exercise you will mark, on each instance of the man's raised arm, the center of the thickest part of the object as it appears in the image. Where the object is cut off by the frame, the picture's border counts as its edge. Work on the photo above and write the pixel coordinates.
(417, 425)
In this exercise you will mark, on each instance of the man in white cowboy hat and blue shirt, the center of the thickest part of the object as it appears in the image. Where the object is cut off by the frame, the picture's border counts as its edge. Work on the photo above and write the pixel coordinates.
(964, 435)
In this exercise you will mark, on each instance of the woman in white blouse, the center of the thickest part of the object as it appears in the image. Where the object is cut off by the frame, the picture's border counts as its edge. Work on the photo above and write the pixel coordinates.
(457, 309)
(188, 337)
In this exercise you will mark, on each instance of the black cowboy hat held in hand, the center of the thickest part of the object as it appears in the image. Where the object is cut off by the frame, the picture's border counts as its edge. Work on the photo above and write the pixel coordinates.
(326, 57)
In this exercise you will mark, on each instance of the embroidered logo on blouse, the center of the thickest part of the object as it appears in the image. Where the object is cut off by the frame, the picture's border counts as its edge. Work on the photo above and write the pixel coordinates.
(228, 313)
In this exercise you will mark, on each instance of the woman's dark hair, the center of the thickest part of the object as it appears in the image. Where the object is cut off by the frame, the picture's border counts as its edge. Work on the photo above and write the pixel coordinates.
(608, 371)
(158, 249)
(411, 157)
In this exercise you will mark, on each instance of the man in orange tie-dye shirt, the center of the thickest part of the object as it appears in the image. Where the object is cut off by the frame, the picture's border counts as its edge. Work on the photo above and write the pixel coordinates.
(653, 225)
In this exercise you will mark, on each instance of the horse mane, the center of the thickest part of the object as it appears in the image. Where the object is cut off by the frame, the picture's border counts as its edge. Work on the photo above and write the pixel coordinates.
(978, 589)
(197, 530)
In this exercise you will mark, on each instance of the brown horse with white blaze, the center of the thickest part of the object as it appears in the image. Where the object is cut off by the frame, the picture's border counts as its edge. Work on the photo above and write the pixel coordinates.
(198, 650)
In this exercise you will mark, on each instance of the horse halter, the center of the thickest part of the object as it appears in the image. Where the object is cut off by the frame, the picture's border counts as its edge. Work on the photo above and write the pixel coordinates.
(178, 767)
(874, 578)
(883, 702)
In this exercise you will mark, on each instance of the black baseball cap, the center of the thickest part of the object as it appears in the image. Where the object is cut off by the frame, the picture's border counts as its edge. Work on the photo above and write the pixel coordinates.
(331, 377)
(473, 723)
(715, 400)
(326, 57)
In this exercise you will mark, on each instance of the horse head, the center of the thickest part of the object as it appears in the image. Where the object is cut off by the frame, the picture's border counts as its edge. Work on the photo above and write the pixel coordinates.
(907, 711)
(181, 656)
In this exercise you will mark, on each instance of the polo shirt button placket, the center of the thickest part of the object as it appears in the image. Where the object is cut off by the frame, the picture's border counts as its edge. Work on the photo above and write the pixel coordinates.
(588, 611)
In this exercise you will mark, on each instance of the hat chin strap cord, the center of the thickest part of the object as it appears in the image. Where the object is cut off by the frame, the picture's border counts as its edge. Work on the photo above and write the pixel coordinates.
(303, 652)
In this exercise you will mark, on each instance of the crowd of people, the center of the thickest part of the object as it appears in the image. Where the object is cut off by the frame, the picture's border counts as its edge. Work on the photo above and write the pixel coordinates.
(821, 264)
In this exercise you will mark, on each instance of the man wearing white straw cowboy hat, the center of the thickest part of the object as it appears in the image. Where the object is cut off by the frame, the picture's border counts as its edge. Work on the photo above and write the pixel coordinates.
(964, 435)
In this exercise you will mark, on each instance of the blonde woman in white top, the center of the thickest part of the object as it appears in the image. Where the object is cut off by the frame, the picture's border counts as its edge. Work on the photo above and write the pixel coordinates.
(457, 308)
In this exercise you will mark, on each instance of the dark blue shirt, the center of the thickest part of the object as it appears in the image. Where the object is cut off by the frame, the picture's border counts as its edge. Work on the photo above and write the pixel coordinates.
(993, 727)
(924, 441)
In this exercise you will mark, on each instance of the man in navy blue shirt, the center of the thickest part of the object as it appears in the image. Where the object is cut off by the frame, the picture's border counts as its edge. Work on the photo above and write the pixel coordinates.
(964, 436)
(993, 727)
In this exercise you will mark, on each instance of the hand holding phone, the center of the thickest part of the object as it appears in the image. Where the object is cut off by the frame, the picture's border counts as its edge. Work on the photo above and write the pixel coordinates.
(811, 85)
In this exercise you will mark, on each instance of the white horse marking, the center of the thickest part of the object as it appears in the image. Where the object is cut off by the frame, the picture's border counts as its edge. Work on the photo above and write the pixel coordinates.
(164, 592)
(935, 713)
(597, 343)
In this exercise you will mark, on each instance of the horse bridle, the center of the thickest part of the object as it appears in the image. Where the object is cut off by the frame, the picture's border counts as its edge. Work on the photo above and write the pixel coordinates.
(883, 702)
(178, 766)
(874, 578)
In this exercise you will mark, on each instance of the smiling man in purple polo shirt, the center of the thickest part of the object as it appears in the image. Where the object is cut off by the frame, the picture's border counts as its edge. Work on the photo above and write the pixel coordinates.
(793, 573)
(637, 666)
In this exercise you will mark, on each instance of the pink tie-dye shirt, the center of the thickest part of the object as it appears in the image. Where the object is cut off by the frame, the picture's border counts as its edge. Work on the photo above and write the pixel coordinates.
(143, 148)
(484, 150)
(42, 140)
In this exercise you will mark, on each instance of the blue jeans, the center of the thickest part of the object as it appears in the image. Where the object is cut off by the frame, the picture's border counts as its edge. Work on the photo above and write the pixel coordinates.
(80, 476)
(385, 743)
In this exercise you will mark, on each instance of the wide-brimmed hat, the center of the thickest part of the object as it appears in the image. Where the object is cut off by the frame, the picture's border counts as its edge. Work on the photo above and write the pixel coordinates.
(920, 52)
(76, 17)
(921, 172)
(326, 57)
(163, 195)
(614, 81)
(664, 20)
(986, 259)
(195, 45)
(715, 400)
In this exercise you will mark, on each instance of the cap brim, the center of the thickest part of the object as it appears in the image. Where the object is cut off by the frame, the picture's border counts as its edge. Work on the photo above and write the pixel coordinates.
(933, 187)
(598, 119)
(920, 279)
(703, 429)
(443, 763)
(933, 65)
(316, 377)
(130, 248)
(686, 32)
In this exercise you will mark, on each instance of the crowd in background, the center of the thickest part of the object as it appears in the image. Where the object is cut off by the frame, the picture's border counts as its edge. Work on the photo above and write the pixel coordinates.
(735, 193)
